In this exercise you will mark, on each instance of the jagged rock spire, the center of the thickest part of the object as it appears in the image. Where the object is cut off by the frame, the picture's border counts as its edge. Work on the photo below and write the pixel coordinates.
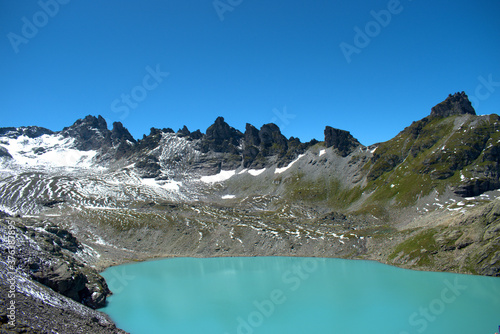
(456, 104)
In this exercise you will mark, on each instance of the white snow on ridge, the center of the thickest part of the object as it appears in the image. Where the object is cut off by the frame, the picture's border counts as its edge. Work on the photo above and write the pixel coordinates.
(222, 176)
(49, 150)
(281, 170)
(228, 196)
(168, 185)
(255, 172)
(321, 152)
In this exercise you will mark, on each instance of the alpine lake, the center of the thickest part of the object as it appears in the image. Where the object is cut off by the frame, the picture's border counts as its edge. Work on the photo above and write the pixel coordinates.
(245, 295)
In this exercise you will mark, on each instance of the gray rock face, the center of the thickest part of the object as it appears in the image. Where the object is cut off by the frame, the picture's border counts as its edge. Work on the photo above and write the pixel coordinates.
(91, 133)
(4, 153)
(220, 137)
(184, 132)
(272, 140)
(28, 131)
(251, 135)
(120, 133)
(342, 140)
(47, 254)
(456, 104)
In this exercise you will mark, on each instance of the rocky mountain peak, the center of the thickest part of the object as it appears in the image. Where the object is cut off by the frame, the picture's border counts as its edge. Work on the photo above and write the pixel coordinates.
(342, 140)
(270, 134)
(184, 131)
(90, 133)
(119, 133)
(220, 137)
(220, 130)
(98, 123)
(251, 135)
(456, 104)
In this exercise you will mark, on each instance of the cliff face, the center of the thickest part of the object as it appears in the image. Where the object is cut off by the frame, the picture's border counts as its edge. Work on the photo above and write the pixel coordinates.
(46, 275)
(341, 140)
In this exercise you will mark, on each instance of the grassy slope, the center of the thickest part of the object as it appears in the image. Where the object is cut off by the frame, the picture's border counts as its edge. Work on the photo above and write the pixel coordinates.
(431, 154)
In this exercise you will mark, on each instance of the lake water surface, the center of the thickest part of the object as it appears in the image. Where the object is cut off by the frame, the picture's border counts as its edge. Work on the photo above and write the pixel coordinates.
(297, 295)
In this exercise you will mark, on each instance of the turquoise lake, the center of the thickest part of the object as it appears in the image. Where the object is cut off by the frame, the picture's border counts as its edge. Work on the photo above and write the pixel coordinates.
(297, 295)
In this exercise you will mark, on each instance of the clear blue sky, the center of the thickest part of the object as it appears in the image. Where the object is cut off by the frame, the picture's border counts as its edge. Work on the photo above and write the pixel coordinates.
(255, 61)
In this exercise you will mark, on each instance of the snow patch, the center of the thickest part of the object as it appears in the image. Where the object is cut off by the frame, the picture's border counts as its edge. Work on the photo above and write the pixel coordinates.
(228, 196)
(49, 150)
(281, 170)
(168, 185)
(222, 176)
(321, 152)
(255, 172)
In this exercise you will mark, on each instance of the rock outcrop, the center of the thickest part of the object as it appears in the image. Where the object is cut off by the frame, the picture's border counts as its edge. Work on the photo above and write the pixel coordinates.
(220, 137)
(4, 153)
(456, 104)
(48, 254)
(341, 140)
(90, 133)
(119, 133)
(28, 131)
(467, 243)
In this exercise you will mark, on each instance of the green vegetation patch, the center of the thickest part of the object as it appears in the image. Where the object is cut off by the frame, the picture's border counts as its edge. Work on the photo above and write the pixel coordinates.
(420, 247)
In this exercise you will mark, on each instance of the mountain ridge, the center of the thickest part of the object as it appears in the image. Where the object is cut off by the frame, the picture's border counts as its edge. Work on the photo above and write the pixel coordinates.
(91, 197)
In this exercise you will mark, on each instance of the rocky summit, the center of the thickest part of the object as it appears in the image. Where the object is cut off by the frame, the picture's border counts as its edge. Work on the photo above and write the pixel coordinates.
(76, 201)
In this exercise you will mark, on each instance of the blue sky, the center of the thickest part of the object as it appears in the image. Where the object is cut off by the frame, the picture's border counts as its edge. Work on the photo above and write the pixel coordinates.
(168, 63)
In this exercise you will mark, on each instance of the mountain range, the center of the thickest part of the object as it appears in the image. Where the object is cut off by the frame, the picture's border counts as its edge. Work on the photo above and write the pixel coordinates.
(86, 197)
